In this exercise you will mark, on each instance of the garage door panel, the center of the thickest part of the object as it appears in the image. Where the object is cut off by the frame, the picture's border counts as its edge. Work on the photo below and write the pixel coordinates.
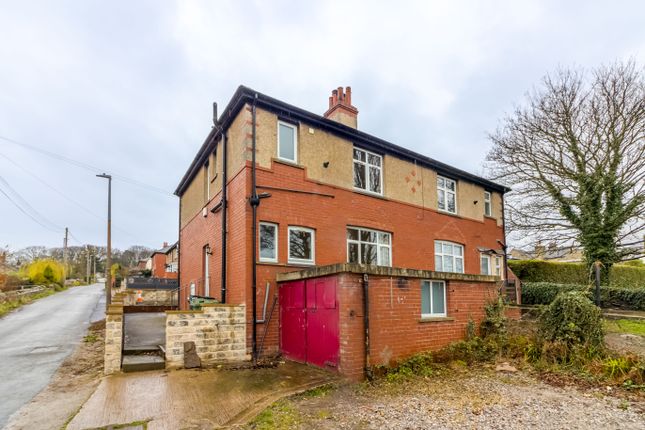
(293, 320)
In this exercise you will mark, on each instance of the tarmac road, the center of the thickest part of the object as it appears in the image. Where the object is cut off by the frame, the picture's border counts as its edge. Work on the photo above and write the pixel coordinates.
(36, 338)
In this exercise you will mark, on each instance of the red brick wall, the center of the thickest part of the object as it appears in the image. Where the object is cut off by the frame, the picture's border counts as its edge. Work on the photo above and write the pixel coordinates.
(396, 328)
(413, 229)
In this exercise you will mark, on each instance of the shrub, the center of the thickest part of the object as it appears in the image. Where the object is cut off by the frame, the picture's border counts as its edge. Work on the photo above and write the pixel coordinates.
(570, 326)
(494, 323)
(45, 271)
(543, 293)
(620, 275)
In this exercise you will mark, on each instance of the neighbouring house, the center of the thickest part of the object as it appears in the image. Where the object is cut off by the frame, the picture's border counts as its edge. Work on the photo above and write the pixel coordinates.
(165, 261)
(347, 250)
(550, 252)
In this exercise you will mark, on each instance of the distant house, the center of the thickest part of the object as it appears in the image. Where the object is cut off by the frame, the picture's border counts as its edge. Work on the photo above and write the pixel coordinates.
(165, 261)
(551, 252)
(343, 225)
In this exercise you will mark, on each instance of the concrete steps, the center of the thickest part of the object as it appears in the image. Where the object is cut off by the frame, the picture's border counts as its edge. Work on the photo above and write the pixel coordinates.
(142, 358)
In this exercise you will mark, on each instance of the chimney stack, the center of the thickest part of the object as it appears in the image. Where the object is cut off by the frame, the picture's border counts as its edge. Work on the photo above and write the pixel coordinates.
(165, 244)
(341, 109)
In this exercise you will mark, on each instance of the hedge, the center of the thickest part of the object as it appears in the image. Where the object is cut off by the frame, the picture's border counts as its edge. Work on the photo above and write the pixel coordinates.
(575, 273)
(543, 293)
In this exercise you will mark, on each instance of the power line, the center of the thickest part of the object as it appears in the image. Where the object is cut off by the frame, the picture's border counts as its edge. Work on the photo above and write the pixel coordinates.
(89, 211)
(34, 218)
(86, 166)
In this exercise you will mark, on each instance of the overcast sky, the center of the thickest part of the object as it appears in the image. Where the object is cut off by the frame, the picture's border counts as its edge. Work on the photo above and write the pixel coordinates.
(127, 87)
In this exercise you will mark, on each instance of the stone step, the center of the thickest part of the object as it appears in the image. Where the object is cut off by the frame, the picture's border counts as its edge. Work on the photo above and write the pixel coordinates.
(144, 350)
(139, 363)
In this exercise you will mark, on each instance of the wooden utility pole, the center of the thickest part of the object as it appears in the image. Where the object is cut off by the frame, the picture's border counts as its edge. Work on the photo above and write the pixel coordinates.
(108, 263)
(87, 264)
(65, 256)
(94, 271)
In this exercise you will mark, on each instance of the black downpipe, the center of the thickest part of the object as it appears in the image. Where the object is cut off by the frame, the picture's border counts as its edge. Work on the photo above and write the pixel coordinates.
(366, 322)
(505, 248)
(179, 259)
(255, 202)
(224, 211)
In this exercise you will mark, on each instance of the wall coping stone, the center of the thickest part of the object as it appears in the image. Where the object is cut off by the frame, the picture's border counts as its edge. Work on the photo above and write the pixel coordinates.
(318, 271)
(185, 312)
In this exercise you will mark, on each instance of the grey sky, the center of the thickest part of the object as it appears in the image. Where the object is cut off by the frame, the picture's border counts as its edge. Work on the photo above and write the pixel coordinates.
(127, 86)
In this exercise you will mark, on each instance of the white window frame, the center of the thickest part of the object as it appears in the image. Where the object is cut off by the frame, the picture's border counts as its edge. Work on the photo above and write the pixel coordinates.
(488, 264)
(488, 204)
(295, 142)
(453, 256)
(276, 235)
(445, 303)
(446, 191)
(378, 244)
(292, 260)
(367, 166)
(499, 270)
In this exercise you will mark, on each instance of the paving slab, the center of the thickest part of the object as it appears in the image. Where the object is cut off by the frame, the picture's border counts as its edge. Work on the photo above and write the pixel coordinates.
(196, 399)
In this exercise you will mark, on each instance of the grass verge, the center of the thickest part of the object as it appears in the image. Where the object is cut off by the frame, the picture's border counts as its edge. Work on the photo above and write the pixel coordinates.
(626, 326)
(10, 305)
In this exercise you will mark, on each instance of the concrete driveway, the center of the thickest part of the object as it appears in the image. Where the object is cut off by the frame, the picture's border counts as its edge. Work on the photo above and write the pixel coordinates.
(193, 398)
(36, 338)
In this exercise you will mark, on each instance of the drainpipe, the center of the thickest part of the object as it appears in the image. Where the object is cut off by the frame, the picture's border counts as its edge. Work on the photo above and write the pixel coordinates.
(179, 259)
(504, 248)
(224, 210)
(255, 202)
(366, 322)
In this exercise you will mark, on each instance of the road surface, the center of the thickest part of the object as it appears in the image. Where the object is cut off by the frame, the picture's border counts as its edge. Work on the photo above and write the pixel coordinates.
(36, 338)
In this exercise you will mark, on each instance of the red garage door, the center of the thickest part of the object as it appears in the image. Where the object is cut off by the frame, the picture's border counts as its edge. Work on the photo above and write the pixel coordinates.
(309, 321)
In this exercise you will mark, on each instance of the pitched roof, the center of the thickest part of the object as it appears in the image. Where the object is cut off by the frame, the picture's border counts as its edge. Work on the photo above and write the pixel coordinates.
(284, 110)
(164, 250)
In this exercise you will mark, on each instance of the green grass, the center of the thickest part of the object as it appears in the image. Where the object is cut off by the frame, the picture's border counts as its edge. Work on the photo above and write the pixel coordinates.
(10, 305)
(626, 326)
(279, 416)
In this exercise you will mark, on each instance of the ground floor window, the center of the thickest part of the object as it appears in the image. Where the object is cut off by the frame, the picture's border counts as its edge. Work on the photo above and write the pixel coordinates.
(498, 267)
(301, 245)
(268, 242)
(367, 246)
(485, 264)
(433, 299)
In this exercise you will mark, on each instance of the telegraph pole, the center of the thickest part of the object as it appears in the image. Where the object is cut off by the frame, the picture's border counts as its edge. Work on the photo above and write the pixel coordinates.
(94, 271)
(108, 263)
(87, 263)
(65, 256)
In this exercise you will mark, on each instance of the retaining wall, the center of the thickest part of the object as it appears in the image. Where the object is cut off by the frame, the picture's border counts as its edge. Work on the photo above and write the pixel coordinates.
(113, 338)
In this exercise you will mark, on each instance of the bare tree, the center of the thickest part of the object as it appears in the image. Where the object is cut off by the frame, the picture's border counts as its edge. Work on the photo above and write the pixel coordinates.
(574, 154)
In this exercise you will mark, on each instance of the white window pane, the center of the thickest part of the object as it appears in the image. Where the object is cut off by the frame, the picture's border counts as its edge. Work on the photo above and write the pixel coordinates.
(451, 202)
(450, 185)
(459, 250)
(287, 143)
(447, 264)
(368, 253)
(487, 210)
(438, 263)
(359, 176)
(425, 297)
(300, 244)
(442, 199)
(437, 247)
(384, 238)
(484, 265)
(438, 303)
(447, 249)
(267, 241)
(352, 233)
(352, 253)
(440, 182)
(368, 236)
(374, 160)
(384, 256)
(459, 265)
(375, 179)
(359, 155)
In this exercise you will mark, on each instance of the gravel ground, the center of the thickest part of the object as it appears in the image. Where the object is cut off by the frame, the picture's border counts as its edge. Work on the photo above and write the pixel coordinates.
(472, 400)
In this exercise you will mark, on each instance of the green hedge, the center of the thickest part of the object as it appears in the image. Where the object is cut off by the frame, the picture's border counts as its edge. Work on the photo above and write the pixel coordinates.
(575, 273)
(543, 293)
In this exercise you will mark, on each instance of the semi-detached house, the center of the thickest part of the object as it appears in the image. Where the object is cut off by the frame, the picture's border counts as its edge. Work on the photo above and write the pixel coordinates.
(347, 250)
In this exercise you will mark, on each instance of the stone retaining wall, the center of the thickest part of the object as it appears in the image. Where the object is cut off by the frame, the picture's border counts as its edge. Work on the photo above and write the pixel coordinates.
(218, 330)
(113, 338)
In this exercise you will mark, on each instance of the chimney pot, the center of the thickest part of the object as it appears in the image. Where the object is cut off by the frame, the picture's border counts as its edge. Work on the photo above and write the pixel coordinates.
(348, 91)
(340, 107)
(165, 244)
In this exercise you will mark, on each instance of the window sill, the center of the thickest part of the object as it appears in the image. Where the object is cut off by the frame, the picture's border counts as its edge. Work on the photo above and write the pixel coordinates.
(445, 212)
(490, 217)
(369, 193)
(435, 319)
(287, 163)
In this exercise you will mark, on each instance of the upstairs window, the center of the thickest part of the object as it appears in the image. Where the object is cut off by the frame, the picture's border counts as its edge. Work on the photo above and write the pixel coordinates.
(301, 245)
(366, 246)
(448, 257)
(367, 171)
(488, 209)
(268, 242)
(287, 142)
(433, 299)
(447, 194)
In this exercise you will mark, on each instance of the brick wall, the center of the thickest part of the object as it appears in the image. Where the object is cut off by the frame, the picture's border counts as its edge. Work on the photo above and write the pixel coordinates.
(219, 333)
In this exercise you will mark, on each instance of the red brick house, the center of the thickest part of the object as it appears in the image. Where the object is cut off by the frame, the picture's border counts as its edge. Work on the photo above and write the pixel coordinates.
(349, 250)
(165, 261)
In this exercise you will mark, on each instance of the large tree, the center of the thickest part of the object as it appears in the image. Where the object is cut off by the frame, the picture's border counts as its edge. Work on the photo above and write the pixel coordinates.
(574, 154)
